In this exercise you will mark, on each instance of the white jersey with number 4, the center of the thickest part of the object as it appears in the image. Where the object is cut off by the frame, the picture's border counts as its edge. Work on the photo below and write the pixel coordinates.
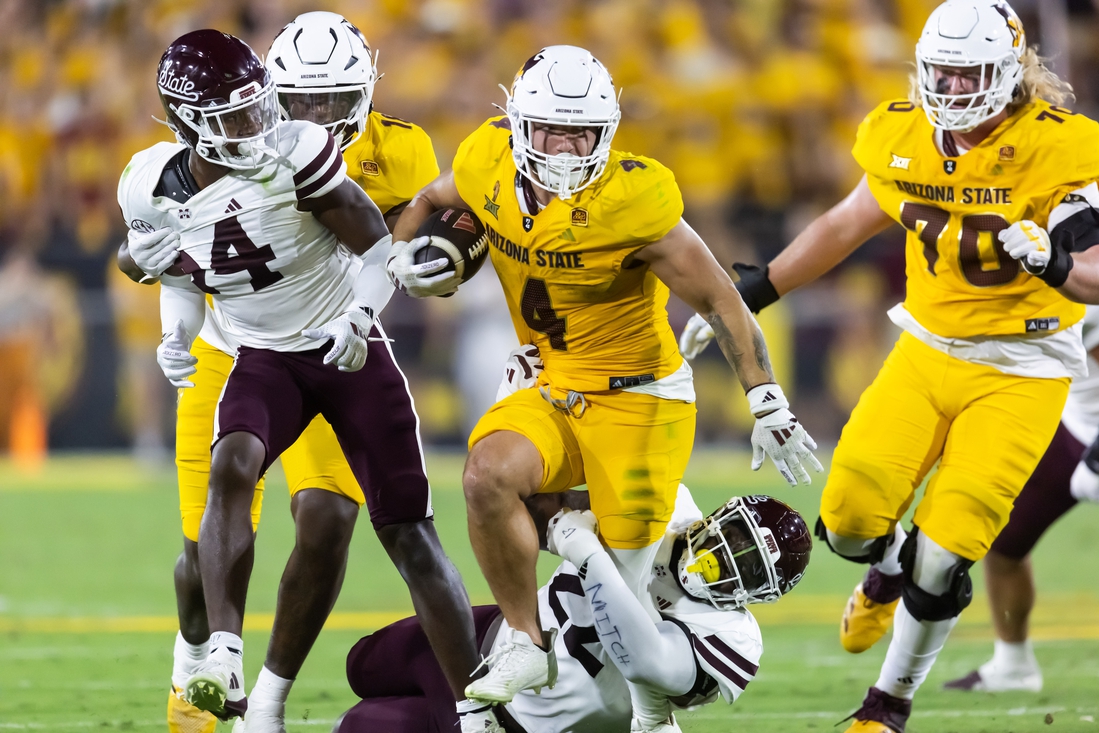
(272, 269)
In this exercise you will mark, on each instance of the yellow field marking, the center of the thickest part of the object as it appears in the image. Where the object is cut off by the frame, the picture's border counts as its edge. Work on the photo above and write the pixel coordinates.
(1058, 616)
(366, 621)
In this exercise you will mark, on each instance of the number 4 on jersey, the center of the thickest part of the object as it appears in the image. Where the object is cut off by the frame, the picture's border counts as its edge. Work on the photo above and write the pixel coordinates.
(539, 314)
(229, 232)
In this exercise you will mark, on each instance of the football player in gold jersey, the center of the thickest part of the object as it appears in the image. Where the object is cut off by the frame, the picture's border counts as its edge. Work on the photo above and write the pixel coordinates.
(995, 183)
(391, 160)
(587, 242)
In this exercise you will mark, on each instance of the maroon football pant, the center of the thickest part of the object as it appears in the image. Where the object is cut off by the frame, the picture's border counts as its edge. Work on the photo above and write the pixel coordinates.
(274, 395)
(402, 685)
(1045, 497)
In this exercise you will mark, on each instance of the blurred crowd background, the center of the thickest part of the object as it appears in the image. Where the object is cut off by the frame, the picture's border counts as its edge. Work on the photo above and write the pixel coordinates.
(752, 103)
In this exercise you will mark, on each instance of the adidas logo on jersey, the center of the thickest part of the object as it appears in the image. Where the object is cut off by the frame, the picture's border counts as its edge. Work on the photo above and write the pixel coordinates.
(1043, 324)
(233, 206)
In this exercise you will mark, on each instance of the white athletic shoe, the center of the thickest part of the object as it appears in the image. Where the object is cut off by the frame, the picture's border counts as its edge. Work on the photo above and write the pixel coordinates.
(990, 677)
(667, 726)
(264, 721)
(519, 665)
(480, 721)
(217, 685)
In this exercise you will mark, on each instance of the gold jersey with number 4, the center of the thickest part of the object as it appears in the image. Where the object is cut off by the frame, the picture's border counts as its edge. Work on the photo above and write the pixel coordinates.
(596, 315)
(961, 282)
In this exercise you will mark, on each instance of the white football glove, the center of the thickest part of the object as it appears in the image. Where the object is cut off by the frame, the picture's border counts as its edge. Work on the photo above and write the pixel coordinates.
(696, 336)
(778, 434)
(154, 252)
(1028, 243)
(423, 280)
(571, 536)
(175, 358)
(521, 371)
(1084, 485)
(349, 333)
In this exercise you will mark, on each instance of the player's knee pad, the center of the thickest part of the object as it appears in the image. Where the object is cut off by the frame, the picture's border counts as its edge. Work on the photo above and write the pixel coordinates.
(856, 550)
(937, 585)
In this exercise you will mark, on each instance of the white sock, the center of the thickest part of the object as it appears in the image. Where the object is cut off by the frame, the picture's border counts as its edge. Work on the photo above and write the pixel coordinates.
(185, 658)
(224, 642)
(912, 652)
(270, 692)
(1014, 656)
(891, 563)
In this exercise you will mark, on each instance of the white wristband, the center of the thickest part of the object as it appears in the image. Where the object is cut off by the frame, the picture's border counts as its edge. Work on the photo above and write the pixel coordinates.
(766, 397)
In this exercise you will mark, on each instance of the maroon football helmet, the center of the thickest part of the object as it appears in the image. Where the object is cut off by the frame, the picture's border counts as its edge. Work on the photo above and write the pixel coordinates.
(754, 549)
(219, 99)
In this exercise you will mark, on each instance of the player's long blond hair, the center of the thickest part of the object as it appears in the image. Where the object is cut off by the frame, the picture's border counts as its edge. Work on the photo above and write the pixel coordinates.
(1039, 82)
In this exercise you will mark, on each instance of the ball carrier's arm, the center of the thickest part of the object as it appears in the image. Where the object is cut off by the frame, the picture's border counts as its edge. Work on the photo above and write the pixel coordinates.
(439, 194)
(683, 262)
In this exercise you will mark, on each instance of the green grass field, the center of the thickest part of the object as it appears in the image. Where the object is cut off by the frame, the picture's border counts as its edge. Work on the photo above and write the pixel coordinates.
(87, 611)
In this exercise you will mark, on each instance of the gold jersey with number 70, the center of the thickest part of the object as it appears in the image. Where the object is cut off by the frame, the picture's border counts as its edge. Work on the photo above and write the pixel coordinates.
(960, 281)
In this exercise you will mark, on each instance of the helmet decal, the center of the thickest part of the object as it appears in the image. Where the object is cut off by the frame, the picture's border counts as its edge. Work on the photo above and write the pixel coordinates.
(1013, 24)
(177, 86)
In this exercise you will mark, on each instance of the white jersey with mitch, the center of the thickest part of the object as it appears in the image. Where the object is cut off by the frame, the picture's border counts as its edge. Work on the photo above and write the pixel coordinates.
(591, 694)
(1081, 415)
(272, 269)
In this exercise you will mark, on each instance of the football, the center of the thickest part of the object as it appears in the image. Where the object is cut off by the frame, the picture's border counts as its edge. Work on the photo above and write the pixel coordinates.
(457, 235)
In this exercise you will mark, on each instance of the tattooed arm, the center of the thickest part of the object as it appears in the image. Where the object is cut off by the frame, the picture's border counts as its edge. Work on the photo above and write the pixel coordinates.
(684, 263)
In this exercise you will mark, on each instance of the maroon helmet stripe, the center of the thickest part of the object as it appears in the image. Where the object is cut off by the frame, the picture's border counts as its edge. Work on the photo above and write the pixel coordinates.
(723, 669)
(717, 643)
(333, 170)
(315, 165)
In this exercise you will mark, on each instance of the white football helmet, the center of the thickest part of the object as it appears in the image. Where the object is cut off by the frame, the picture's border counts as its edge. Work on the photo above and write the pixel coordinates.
(324, 73)
(563, 86)
(970, 33)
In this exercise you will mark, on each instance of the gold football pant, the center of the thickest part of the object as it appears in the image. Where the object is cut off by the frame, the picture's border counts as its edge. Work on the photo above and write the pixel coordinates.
(631, 449)
(315, 461)
(988, 429)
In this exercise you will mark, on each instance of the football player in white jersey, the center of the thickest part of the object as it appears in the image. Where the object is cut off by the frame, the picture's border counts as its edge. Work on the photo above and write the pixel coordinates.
(619, 670)
(1067, 474)
(251, 211)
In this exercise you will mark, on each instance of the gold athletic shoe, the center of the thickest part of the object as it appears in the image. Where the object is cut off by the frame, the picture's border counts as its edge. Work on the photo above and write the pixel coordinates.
(880, 713)
(183, 717)
(865, 620)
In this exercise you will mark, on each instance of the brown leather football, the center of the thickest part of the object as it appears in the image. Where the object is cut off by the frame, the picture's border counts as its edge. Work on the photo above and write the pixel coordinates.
(458, 236)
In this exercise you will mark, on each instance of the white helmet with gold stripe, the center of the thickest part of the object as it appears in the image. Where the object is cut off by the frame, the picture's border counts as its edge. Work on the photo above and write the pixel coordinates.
(324, 73)
(984, 37)
(562, 87)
